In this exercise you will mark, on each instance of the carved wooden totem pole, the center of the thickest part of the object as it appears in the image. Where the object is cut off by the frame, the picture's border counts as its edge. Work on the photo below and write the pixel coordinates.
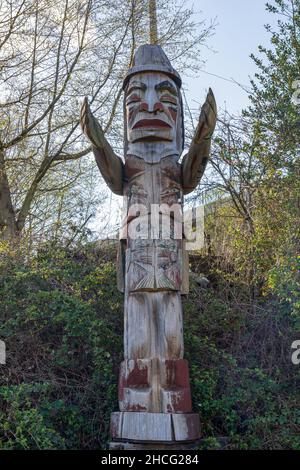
(154, 390)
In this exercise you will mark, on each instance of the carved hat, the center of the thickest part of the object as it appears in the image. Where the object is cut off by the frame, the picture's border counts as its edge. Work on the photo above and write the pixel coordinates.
(151, 58)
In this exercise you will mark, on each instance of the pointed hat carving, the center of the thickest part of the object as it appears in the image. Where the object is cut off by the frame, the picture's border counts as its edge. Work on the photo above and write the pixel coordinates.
(151, 58)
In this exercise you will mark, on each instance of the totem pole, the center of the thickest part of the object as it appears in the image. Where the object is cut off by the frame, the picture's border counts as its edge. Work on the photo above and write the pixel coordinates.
(154, 390)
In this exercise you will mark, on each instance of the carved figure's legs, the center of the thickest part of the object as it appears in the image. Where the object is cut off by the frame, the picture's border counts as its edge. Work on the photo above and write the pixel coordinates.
(153, 325)
(154, 377)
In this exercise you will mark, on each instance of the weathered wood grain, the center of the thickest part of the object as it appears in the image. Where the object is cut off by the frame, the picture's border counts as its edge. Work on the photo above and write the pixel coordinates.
(155, 427)
(154, 388)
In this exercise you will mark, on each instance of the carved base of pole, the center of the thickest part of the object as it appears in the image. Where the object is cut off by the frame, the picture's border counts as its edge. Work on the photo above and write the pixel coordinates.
(142, 430)
(115, 445)
(155, 385)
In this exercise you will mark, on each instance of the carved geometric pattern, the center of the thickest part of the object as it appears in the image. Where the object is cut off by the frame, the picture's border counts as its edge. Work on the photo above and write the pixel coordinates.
(154, 265)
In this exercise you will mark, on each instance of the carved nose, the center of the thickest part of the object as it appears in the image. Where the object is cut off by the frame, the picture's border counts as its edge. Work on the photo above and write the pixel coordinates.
(144, 106)
(158, 107)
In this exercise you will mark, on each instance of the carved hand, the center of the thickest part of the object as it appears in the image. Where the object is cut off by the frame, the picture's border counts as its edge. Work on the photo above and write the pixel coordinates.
(207, 119)
(110, 165)
(90, 126)
(194, 162)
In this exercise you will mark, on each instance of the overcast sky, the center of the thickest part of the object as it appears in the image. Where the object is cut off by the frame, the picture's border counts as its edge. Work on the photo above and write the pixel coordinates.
(239, 31)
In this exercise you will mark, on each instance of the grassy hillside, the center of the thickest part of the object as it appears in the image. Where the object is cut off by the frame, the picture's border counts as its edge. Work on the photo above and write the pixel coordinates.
(62, 321)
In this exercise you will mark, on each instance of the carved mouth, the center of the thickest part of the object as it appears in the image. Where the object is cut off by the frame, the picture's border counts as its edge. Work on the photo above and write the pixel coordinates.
(151, 124)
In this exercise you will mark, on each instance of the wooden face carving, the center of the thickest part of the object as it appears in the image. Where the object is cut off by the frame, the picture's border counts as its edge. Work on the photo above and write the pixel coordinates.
(152, 103)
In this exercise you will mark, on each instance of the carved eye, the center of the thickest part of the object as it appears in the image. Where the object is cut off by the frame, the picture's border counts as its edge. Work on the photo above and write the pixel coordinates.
(133, 98)
(166, 98)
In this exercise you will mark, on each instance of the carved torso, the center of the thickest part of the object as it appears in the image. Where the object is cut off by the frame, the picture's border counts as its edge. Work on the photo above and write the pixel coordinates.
(153, 263)
(148, 184)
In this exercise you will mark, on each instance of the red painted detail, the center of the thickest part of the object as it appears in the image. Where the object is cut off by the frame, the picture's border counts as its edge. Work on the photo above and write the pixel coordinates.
(181, 401)
(133, 376)
(177, 373)
(168, 99)
(136, 377)
(143, 106)
(158, 107)
(178, 386)
(133, 99)
(135, 407)
(173, 114)
(151, 123)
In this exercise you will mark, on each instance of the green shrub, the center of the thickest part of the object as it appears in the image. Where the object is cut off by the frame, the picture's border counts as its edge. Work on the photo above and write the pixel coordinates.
(62, 321)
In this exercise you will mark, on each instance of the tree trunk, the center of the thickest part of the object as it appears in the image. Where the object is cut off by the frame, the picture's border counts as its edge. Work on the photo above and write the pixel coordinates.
(8, 226)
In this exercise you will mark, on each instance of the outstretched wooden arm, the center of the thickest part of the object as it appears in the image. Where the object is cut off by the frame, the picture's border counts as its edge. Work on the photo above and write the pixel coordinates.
(194, 162)
(110, 165)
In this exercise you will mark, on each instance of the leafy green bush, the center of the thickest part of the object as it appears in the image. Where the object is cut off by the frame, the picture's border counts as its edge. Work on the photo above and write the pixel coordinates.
(62, 321)
(243, 382)
(62, 324)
